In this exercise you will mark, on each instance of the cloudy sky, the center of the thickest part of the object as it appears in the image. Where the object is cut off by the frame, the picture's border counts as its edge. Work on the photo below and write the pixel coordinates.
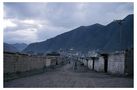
(35, 22)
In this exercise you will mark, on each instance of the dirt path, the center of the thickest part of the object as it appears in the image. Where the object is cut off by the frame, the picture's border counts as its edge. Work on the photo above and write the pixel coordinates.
(67, 77)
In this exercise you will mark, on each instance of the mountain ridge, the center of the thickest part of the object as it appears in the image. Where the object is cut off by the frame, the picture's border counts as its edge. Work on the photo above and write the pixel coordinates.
(91, 37)
(9, 48)
(20, 46)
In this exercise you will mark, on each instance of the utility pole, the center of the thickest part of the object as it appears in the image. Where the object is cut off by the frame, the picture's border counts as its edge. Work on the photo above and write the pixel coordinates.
(120, 24)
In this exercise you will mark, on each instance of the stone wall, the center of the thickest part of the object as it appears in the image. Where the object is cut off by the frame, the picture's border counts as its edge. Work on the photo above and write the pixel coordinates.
(51, 60)
(129, 63)
(20, 63)
(99, 64)
(90, 64)
(85, 62)
(116, 63)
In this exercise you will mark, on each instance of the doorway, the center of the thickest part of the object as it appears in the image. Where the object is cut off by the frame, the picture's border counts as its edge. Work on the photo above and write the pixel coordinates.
(105, 56)
(105, 63)
(93, 64)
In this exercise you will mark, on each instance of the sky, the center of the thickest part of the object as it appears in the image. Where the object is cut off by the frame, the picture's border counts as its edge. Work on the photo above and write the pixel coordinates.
(36, 22)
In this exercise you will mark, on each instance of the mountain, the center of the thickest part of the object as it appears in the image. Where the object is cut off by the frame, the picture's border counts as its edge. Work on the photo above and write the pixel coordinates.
(117, 35)
(20, 46)
(9, 48)
(122, 34)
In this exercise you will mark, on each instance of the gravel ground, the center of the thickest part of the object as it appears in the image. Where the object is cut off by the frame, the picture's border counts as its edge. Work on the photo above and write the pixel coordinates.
(66, 77)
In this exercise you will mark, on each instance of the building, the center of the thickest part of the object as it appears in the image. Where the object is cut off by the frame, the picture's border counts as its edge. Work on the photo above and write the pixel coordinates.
(118, 63)
(53, 58)
(121, 63)
(99, 64)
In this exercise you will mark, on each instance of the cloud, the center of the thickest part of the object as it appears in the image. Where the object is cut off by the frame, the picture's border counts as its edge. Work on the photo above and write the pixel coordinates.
(29, 31)
(9, 23)
(46, 20)
(24, 35)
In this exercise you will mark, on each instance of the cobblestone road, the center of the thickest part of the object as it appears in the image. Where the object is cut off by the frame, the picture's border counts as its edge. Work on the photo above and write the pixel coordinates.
(67, 77)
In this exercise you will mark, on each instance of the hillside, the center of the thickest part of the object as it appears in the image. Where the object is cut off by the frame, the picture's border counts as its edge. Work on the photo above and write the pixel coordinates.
(9, 48)
(20, 46)
(117, 35)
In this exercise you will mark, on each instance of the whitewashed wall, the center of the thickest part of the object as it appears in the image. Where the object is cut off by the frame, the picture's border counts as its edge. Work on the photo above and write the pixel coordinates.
(116, 63)
(85, 62)
(90, 64)
(99, 64)
(48, 62)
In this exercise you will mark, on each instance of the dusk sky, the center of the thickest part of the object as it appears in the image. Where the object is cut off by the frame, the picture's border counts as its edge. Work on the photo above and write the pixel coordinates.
(35, 22)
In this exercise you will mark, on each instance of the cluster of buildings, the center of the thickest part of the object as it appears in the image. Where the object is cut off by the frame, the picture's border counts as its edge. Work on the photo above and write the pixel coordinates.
(118, 63)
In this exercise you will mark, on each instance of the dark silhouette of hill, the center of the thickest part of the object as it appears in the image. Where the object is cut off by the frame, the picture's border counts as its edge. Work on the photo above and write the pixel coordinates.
(118, 35)
(20, 46)
(9, 48)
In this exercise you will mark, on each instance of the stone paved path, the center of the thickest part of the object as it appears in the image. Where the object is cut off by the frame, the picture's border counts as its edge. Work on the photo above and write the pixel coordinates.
(67, 77)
